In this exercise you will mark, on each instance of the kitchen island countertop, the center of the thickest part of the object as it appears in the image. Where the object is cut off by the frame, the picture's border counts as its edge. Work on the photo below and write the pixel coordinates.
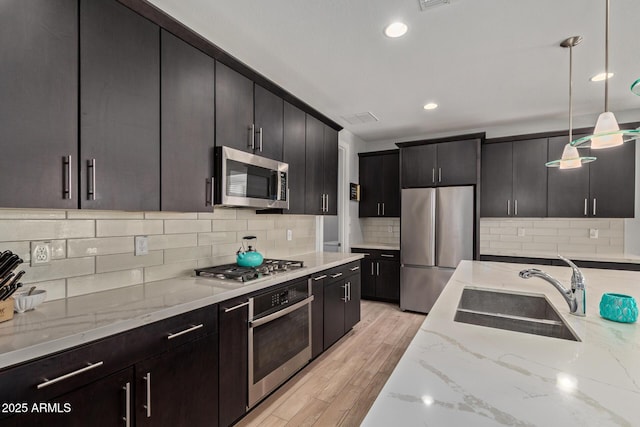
(459, 374)
(61, 324)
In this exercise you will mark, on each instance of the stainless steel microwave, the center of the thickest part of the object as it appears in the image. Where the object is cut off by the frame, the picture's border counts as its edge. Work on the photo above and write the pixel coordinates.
(246, 180)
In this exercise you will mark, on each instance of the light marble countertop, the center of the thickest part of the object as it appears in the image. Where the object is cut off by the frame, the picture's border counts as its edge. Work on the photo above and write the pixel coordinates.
(381, 246)
(456, 374)
(58, 325)
(622, 258)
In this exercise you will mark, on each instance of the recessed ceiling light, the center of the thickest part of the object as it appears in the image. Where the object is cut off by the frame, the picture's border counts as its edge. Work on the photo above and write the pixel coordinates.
(430, 106)
(397, 29)
(601, 77)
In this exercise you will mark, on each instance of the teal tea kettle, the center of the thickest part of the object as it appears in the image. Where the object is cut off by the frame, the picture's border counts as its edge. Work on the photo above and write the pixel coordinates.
(249, 257)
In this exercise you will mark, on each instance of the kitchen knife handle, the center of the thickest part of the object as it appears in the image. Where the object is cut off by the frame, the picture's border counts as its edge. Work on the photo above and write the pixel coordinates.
(585, 207)
(594, 206)
(147, 379)
(127, 405)
(91, 189)
(252, 136)
(186, 331)
(260, 139)
(66, 191)
(47, 382)
(235, 307)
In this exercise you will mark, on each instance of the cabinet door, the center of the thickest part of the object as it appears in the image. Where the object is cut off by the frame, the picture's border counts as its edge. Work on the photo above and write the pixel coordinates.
(314, 167)
(371, 186)
(334, 313)
(120, 108)
(530, 178)
(611, 179)
(391, 185)
(457, 162)
(567, 189)
(330, 185)
(294, 156)
(352, 305)
(497, 180)
(368, 280)
(269, 110)
(234, 110)
(317, 315)
(418, 166)
(180, 386)
(188, 132)
(39, 108)
(234, 354)
(388, 280)
(102, 403)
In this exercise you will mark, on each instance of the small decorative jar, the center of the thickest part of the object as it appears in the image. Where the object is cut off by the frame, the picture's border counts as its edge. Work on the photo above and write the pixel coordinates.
(619, 308)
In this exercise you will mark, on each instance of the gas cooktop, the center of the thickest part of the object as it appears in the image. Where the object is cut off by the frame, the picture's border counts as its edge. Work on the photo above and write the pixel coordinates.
(268, 267)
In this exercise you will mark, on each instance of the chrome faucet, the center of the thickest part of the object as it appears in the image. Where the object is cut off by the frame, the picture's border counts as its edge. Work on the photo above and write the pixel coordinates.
(576, 297)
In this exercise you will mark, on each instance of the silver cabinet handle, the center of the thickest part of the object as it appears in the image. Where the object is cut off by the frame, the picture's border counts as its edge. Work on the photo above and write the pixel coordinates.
(127, 405)
(433, 175)
(147, 379)
(439, 174)
(90, 366)
(91, 189)
(186, 331)
(585, 207)
(260, 139)
(509, 207)
(333, 276)
(355, 268)
(323, 203)
(320, 277)
(66, 163)
(327, 203)
(278, 314)
(382, 208)
(349, 293)
(377, 268)
(378, 209)
(515, 207)
(226, 310)
(387, 256)
(208, 201)
(372, 269)
(344, 288)
(594, 206)
(252, 136)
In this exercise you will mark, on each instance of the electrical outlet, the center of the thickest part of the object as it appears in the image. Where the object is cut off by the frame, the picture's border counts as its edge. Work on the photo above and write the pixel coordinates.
(40, 253)
(521, 232)
(593, 233)
(289, 234)
(142, 245)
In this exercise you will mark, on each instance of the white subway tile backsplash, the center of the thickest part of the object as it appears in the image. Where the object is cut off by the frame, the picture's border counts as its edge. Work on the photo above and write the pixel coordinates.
(102, 282)
(228, 225)
(45, 229)
(540, 247)
(564, 247)
(106, 263)
(32, 214)
(113, 228)
(167, 241)
(216, 238)
(99, 246)
(56, 289)
(505, 245)
(590, 223)
(22, 249)
(541, 231)
(171, 215)
(186, 254)
(91, 214)
(176, 226)
(167, 271)
(260, 224)
(59, 269)
(573, 232)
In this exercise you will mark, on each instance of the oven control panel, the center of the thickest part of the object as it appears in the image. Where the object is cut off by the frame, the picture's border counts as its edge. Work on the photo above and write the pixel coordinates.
(271, 301)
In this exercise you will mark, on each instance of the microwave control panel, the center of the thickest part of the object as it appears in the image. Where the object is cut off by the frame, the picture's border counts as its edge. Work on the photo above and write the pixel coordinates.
(283, 186)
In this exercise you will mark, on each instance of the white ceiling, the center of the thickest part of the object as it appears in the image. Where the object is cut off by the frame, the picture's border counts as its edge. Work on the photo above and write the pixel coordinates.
(486, 63)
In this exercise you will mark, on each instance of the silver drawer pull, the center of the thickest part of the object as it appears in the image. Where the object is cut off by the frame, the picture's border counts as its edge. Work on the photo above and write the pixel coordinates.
(147, 379)
(91, 366)
(354, 268)
(324, 276)
(127, 405)
(333, 276)
(226, 310)
(186, 331)
(387, 256)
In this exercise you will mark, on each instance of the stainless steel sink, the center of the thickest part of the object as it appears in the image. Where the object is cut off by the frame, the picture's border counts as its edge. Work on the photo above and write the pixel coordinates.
(519, 312)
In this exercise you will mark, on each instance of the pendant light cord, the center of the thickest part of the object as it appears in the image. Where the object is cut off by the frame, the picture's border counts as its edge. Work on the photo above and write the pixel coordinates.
(606, 58)
(570, 93)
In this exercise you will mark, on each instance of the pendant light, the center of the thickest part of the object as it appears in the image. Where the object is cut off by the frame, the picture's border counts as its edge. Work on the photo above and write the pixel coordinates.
(635, 87)
(570, 157)
(607, 133)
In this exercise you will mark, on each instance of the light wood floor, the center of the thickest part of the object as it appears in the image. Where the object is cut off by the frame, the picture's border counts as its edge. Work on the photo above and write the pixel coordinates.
(339, 387)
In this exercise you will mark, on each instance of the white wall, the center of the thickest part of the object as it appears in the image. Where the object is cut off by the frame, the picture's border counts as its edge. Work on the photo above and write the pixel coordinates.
(632, 226)
(353, 145)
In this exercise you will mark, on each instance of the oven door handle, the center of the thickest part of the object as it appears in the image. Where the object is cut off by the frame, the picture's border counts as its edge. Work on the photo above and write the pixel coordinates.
(278, 314)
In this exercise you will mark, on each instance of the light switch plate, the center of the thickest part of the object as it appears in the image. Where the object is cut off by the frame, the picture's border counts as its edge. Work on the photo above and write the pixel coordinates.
(521, 232)
(142, 245)
(289, 234)
(593, 233)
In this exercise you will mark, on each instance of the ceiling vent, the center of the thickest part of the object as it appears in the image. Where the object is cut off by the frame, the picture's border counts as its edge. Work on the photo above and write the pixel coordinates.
(359, 118)
(426, 4)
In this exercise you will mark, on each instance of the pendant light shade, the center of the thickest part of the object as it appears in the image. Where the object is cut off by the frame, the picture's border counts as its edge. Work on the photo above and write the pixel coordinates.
(635, 87)
(606, 133)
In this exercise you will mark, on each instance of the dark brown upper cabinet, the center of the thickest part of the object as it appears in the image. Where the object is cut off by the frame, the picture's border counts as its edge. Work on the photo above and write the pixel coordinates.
(235, 126)
(188, 126)
(119, 108)
(321, 166)
(447, 163)
(604, 188)
(514, 179)
(39, 108)
(269, 111)
(379, 184)
(294, 156)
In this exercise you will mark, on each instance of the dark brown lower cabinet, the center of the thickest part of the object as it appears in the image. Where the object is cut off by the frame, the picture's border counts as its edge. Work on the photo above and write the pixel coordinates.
(380, 274)
(179, 387)
(317, 315)
(341, 304)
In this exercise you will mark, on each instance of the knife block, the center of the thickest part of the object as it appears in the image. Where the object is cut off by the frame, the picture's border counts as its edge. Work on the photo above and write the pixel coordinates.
(6, 310)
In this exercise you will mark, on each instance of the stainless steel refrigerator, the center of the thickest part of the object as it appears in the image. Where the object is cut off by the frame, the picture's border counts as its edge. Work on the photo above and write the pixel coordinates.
(436, 233)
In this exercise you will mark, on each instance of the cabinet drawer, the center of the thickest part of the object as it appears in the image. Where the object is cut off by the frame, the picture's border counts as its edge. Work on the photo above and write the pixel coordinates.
(391, 254)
